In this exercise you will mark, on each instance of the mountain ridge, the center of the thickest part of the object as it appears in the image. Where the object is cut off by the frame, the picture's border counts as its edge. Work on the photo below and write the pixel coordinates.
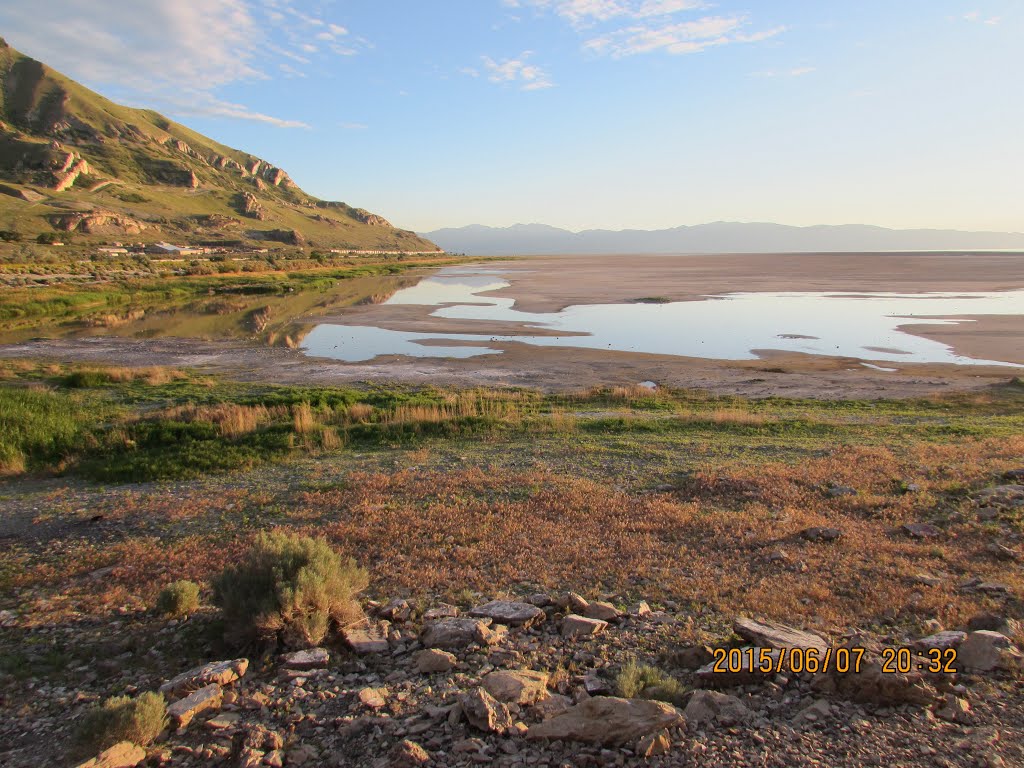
(714, 237)
(75, 163)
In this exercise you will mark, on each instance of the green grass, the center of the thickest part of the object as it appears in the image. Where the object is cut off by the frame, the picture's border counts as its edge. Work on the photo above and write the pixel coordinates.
(636, 681)
(116, 425)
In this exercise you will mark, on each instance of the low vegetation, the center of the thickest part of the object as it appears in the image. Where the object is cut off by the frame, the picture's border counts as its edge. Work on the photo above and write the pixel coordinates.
(178, 599)
(122, 718)
(289, 590)
(643, 681)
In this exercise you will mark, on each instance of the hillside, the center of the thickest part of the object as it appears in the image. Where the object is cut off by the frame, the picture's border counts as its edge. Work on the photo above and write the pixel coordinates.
(72, 161)
(719, 237)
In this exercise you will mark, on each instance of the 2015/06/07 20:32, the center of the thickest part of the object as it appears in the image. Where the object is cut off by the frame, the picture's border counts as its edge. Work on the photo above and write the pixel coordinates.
(840, 660)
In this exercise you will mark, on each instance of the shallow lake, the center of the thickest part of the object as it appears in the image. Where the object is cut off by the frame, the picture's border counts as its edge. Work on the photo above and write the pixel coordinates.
(732, 326)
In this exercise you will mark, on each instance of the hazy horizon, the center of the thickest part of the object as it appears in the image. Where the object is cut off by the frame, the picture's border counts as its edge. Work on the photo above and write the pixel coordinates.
(584, 114)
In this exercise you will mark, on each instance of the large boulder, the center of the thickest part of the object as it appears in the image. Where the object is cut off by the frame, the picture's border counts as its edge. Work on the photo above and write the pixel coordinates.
(581, 626)
(608, 720)
(433, 660)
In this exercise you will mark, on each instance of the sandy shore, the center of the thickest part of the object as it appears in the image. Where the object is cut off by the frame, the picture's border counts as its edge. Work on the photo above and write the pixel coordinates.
(548, 284)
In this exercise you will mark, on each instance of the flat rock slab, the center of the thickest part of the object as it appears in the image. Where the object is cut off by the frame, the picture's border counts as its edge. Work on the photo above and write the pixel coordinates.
(458, 633)
(511, 613)
(219, 672)
(581, 626)
(608, 720)
(183, 711)
(313, 658)
(770, 634)
(984, 651)
(940, 640)
(365, 640)
(602, 611)
(921, 531)
(124, 754)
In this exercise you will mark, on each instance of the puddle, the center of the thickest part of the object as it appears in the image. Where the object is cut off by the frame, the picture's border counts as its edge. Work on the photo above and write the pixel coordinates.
(725, 327)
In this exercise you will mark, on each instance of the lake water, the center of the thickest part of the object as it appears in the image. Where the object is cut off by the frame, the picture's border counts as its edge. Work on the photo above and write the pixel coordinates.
(726, 327)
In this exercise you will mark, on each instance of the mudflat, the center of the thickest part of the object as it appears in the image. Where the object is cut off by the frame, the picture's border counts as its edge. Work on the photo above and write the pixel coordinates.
(551, 283)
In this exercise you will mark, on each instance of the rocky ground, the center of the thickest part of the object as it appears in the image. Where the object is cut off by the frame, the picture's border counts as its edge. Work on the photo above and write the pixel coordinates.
(532, 682)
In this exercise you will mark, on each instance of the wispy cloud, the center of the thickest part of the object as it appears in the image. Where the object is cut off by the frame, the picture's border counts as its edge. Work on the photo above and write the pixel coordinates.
(529, 77)
(176, 54)
(621, 28)
(977, 16)
(677, 38)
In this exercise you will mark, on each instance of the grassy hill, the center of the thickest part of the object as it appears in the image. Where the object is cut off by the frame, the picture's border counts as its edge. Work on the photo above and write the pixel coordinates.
(77, 165)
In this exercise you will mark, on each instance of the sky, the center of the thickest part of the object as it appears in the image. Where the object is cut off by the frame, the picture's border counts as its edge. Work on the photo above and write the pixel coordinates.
(612, 114)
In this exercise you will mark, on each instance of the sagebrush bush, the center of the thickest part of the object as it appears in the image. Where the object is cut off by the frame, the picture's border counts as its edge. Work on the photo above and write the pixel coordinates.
(287, 590)
(123, 718)
(636, 681)
(179, 598)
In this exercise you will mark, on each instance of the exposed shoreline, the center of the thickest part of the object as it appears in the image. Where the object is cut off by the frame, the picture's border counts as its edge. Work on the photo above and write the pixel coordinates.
(603, 279)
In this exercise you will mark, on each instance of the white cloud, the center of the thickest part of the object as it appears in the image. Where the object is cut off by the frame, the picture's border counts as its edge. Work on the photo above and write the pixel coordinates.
(173, 54)
(528, 76)
(584, 12)
(677, 37)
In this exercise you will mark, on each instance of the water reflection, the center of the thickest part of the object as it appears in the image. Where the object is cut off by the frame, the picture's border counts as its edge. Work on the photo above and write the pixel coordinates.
(730, 327)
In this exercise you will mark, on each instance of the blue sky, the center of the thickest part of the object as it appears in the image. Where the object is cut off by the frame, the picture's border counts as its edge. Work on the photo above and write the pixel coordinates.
(584, 113)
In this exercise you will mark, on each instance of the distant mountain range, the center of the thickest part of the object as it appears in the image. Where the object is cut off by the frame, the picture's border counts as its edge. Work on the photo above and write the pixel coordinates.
(720, 237)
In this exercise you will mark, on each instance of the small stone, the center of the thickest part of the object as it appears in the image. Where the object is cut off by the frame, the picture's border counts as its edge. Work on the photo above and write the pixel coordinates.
(485, 712)
(581, 626)
(523, 686)
(223, 720)
(407, 754)
(602, 611)
(654, 744)
(372, 698)
(640, 609)
(710, 706)
(940, 640)
(836, 491)
(953, 709)
(921, 530)
(314, 658)
(366, 640)
(459, 633)
(433, 660)
(443, 611)
(819, 533)
(397, 610)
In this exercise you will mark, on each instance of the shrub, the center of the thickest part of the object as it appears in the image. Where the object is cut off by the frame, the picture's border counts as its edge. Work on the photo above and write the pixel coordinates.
(179, 598)
(644, 681)
(122, 718)
(288, 590)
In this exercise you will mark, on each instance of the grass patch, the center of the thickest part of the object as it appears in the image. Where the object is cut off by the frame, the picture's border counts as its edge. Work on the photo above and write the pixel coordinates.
(178, 599)
(642, 681)
(122, 718)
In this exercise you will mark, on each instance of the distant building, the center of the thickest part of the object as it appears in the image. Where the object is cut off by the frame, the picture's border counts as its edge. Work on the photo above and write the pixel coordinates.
(168, 249)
